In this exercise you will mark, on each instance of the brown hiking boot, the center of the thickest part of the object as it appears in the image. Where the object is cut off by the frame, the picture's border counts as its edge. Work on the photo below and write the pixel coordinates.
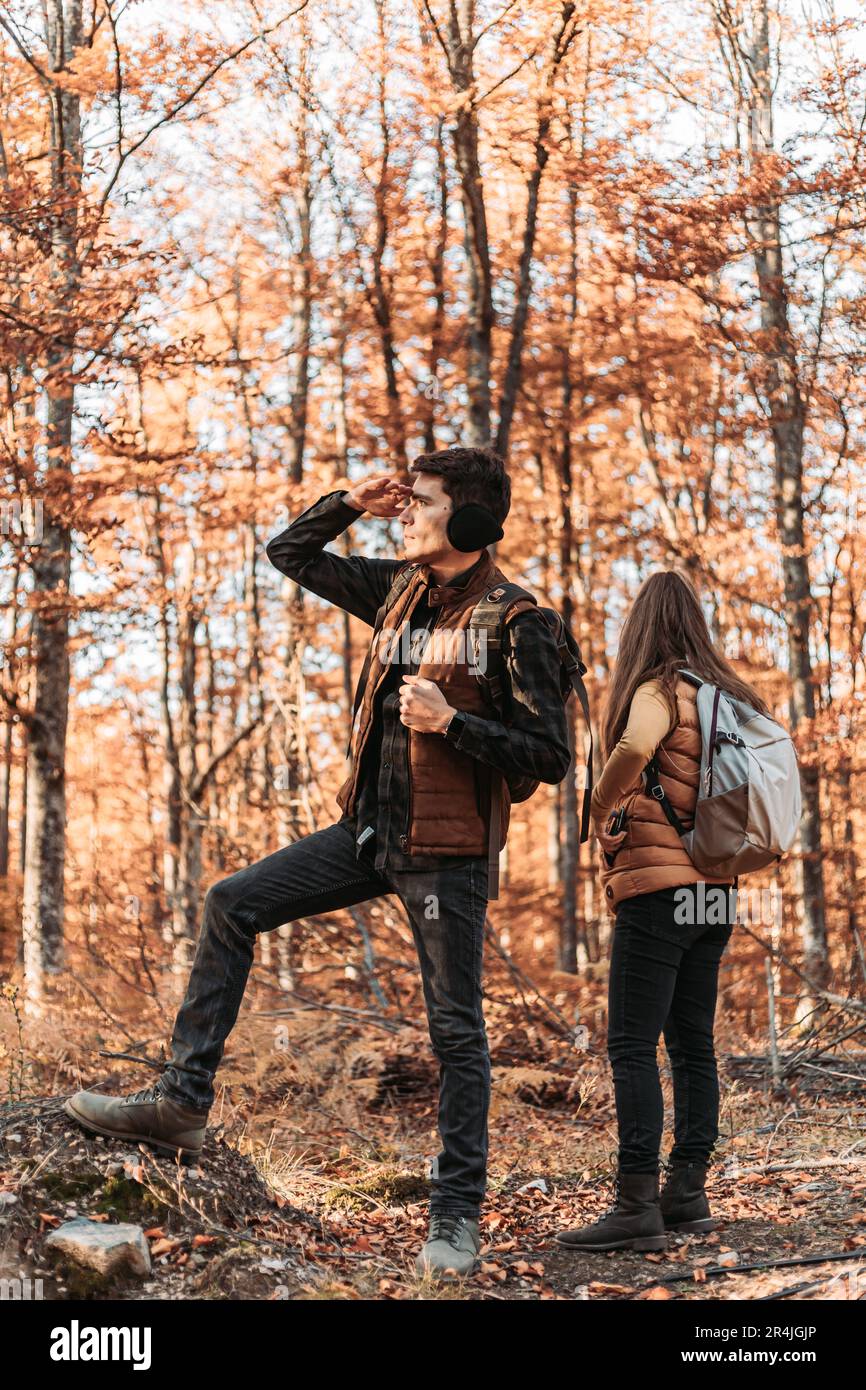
(683, 1199)
(149, 1116)
(634, 1222)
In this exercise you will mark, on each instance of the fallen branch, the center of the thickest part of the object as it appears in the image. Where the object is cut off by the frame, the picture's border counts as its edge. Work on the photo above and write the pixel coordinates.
(391, 1025)
(715, 1270)
(792, 1167)
(797, 1289)
(159, 1065)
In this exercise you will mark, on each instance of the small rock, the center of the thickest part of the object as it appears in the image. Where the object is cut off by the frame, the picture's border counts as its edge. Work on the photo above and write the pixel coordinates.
(537, 1183)
(8, 1199)
(113, 1170)
(103, 1247)
(728, 1259)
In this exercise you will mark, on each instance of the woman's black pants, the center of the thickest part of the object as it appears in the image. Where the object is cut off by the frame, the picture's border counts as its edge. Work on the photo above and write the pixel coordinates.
(664, 974)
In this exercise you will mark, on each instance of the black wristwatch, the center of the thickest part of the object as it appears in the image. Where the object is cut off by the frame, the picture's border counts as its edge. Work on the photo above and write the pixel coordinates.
(456, 724)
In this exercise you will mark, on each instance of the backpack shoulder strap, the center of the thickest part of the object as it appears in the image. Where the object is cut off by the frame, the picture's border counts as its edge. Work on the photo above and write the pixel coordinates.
(399, 584)
(652, 778)
(572, 671)
(655, 789)
(490, 616)
(691, 677)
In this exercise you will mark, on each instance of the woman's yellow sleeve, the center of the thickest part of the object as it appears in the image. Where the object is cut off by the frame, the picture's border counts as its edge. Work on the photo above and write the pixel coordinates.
(649, 720)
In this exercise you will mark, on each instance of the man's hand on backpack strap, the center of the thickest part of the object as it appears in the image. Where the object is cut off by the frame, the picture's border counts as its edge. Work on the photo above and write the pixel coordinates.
(423, 707)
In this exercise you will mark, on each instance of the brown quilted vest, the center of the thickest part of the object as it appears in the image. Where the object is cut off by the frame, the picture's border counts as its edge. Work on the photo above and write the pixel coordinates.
(652, 856)
(449, 791)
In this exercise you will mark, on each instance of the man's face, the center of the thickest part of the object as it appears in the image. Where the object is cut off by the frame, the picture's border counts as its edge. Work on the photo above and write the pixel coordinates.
(424, 519)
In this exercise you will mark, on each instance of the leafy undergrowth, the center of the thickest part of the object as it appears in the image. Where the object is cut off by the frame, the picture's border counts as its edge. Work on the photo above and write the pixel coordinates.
(314, 1179)
(789, 1181)
(310, 1191)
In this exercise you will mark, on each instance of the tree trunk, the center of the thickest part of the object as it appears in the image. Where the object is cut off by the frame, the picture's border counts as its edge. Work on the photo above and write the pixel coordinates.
(42, 918)
(554, 836)
(5, 790)
(184, 922)
(7, 754)
(786, 411)
(431, 393)
(561, 40)
(458, 43)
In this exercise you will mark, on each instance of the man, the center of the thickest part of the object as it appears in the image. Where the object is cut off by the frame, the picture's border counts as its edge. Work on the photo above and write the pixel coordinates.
(425, 750)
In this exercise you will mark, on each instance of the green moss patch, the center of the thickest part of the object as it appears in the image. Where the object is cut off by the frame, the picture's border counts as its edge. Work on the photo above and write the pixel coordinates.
(390, 1187)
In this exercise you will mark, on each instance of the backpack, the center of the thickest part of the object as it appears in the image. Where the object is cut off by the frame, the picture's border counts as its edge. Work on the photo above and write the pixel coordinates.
(749, 801)
(486, 624)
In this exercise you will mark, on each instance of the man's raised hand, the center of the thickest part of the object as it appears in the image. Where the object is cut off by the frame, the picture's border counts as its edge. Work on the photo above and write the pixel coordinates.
(381, 495)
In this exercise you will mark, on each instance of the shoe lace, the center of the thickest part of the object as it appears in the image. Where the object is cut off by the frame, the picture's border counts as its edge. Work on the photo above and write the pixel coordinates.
(152, 1092)
(447, 1226)
(617, 1190)
(617, 1193)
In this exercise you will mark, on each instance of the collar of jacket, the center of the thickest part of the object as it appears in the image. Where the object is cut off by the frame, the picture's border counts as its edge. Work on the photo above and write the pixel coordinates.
(481, 572)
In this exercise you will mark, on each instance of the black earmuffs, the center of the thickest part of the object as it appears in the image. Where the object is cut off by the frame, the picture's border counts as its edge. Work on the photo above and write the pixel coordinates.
(471, 527)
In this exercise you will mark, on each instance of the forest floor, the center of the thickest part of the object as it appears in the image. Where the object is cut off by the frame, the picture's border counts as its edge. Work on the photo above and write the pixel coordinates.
(314, 1178)
(291, 1198)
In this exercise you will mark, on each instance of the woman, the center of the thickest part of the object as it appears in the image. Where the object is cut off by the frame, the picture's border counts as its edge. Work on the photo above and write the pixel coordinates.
(670, 933)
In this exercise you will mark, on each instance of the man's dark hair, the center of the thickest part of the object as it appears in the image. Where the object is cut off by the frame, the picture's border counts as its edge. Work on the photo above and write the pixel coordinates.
(470, 475)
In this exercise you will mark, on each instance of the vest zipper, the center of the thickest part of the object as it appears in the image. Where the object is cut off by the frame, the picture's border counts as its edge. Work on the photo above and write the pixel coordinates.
(406, 839)
(352, 804)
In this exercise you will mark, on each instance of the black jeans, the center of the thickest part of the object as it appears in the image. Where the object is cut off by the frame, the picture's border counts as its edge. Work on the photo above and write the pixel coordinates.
(664, 979)
(446, 906)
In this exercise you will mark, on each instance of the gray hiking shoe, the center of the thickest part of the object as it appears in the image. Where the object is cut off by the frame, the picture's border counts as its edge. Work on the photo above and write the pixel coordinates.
(148, 1116)
(452, 1246)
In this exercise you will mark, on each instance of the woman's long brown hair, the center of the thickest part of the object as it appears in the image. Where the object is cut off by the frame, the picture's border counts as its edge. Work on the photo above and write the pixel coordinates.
(666, 629)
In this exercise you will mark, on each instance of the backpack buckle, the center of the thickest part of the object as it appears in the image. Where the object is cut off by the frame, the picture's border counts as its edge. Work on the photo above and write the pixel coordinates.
(496, 593)
(657, 791)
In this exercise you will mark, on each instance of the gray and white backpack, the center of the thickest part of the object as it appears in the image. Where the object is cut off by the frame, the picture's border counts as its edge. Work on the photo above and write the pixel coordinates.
(749, 803)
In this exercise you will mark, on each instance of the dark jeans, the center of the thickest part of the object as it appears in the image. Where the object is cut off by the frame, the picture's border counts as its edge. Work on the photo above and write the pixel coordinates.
(664, 979)
(446, 906)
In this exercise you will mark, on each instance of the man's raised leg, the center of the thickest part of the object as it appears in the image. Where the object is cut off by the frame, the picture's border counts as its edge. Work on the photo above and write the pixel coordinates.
(316, 874)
